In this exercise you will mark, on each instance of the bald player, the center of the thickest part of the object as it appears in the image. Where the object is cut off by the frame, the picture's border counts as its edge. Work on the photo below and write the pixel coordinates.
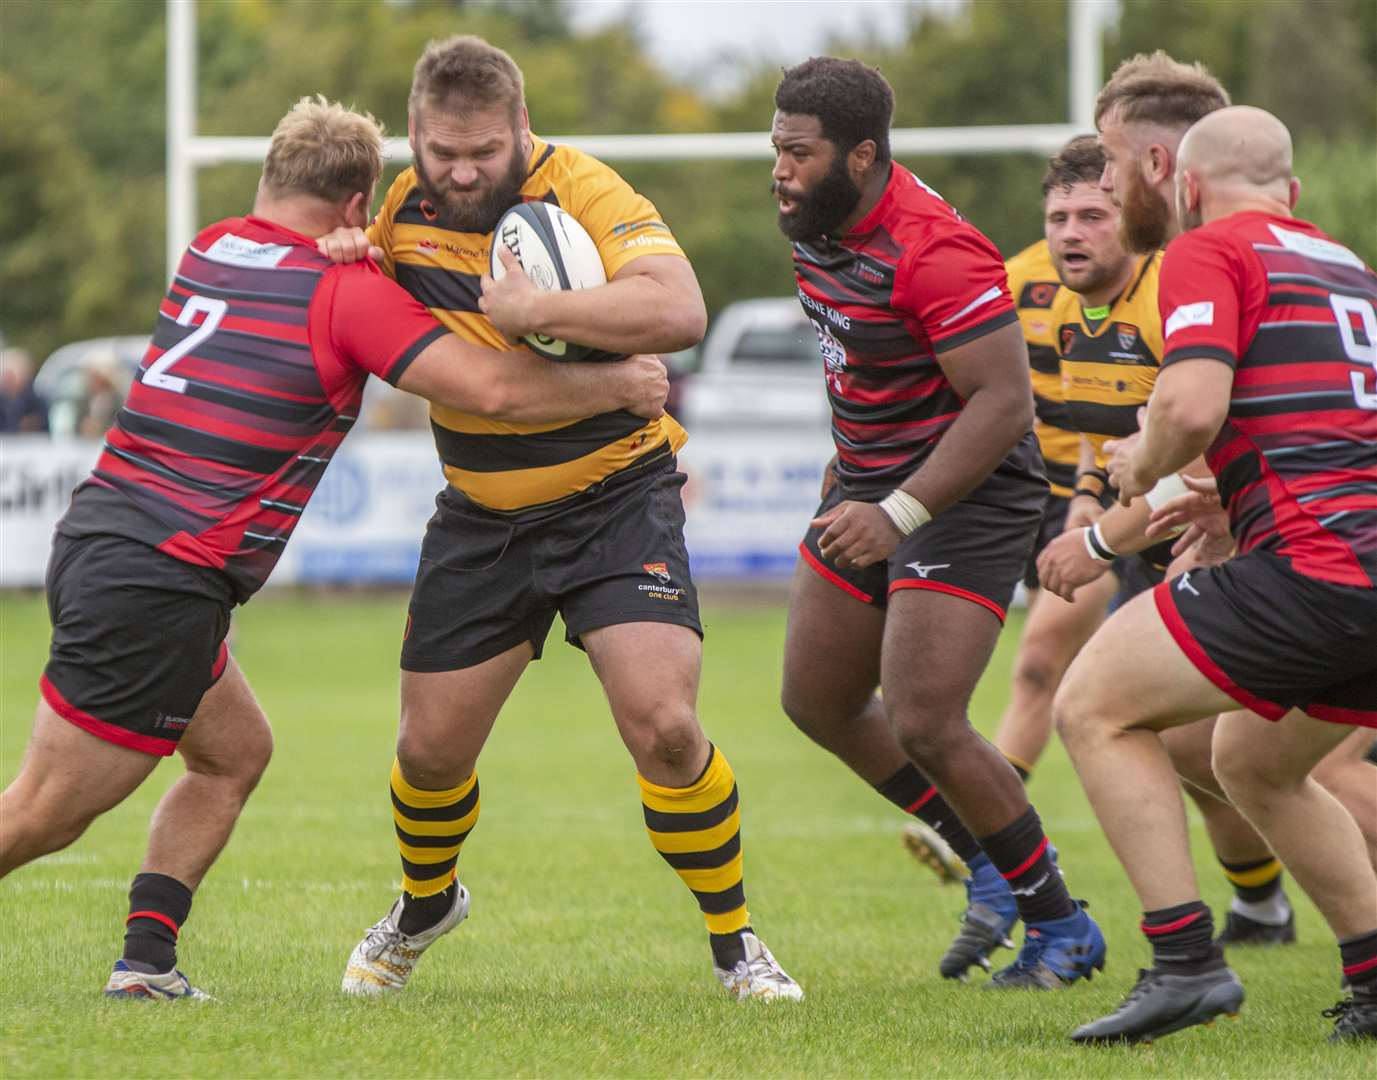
(1142, 114)
(1271, 371)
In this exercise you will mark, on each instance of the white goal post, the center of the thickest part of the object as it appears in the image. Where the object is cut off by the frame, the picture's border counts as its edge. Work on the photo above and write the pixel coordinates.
(188, 152)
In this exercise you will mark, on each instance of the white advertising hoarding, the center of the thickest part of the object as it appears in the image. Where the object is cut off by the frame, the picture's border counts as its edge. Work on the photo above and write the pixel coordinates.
(749, 497)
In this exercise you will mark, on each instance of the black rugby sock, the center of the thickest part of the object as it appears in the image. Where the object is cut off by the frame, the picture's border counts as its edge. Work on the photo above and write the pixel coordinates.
(1359, 958)
(915, 794)
(158, 906)
(1254, 882)
(1020, 854)
(1182, 938)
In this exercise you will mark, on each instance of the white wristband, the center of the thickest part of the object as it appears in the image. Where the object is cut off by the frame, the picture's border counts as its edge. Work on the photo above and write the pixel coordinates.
(1096, 546)
(1166, 488)
(905, 511)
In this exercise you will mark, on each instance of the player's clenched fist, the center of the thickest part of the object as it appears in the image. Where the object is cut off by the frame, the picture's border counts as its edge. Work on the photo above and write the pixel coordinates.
(647, 384)
(856, 534)
(348, 244)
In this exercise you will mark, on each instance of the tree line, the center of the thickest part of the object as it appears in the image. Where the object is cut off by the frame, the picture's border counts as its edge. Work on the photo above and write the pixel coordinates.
(82, 202)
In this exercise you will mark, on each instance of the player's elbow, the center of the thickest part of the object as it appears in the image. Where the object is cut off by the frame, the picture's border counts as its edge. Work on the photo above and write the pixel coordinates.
(683, 324)
(1192, 420)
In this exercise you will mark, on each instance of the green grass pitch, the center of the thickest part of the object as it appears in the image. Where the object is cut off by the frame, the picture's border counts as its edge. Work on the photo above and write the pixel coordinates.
(583, 955)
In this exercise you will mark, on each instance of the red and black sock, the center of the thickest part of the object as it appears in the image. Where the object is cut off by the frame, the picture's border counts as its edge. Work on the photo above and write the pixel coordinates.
(1359, 958)
(913, 793)
(1020, 854)
(158, 906)
(1182, 938)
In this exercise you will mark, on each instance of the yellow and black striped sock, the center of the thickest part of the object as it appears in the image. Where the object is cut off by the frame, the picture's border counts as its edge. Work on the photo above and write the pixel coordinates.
(697, 830)
(1256, 881)
(1023, 768)
(431, 828)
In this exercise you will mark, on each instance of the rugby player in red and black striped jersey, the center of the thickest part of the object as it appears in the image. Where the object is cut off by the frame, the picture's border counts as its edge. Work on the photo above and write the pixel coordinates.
(253, 378)
(929, 511)
(1270, 370)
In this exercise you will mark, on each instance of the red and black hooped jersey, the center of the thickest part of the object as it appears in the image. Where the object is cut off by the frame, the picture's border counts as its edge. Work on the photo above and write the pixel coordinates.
(254, 376)
(911, 280)
(1295, 314)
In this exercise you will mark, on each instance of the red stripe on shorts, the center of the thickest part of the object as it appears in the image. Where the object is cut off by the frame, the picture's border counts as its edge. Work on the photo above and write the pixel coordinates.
(221, 662)
(832, 576)
(1195, 653)
(1336, 714)
(950, 590)
(147, 744)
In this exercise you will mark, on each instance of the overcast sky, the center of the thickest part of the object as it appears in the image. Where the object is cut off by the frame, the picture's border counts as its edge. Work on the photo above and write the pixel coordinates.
(686, 36)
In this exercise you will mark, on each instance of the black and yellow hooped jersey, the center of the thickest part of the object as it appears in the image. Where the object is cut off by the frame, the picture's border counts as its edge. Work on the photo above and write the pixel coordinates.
(1108, 365)
(1033, 284)
(514, 467)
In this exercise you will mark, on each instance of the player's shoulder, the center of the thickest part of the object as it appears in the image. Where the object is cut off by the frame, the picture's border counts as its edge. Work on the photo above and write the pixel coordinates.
(254, 243)
(402, 194)
(565, 169)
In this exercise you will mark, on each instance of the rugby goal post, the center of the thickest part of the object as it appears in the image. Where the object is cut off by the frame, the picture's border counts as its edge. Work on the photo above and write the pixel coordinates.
(187, 152)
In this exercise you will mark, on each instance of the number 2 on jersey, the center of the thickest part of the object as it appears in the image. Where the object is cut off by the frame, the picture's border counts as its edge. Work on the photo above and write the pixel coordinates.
(1357, 351)
(213, 310)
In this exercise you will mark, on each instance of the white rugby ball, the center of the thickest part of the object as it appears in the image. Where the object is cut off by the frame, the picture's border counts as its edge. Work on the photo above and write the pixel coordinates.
(557, 253)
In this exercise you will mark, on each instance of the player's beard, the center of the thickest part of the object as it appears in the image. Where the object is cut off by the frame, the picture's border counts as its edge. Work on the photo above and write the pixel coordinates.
(821, 211)
(1095, 276)
(1144, 217)
(479, 215)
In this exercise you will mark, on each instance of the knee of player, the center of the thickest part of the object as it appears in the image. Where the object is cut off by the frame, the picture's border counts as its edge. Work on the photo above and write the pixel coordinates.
(1036, 669)
(669, 736)
(926, 731)
(1072, 719)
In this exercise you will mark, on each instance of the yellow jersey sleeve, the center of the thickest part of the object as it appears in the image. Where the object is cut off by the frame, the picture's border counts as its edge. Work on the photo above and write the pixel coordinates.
(623, 223)
(380, 228)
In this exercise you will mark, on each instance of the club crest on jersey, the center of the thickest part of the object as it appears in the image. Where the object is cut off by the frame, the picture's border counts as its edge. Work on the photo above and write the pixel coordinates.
(1128, 335)
(1068, 335)
(833, 351)
(658, 570)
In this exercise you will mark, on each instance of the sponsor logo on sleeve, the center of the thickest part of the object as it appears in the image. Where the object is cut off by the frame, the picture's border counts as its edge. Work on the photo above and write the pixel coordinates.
(1200, 313)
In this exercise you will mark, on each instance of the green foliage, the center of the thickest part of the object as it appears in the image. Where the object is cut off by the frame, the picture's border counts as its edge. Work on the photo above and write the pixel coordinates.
(82, 143)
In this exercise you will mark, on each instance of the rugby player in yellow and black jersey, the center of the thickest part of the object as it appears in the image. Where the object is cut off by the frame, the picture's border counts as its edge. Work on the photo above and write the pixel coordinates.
(583, 520)
(1109, 344)
(1054, 630)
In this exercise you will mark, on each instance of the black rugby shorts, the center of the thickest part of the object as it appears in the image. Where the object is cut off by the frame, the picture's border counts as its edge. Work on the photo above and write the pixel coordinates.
(487, 582)
(138, 638)
(977, 549)
(1276, 640)
(1053, 524)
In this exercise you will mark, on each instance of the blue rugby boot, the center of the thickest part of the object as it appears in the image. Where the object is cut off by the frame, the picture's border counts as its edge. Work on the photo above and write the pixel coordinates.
(1054, 954)
(990, 914)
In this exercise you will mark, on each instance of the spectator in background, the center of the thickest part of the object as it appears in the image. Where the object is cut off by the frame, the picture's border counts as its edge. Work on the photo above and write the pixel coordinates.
(22, 409)
(106, 385)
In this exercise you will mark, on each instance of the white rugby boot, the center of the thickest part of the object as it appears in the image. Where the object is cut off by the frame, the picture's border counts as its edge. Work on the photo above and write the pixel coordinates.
(759, 976)
(926, 845)
(383, 961)
(126, 983)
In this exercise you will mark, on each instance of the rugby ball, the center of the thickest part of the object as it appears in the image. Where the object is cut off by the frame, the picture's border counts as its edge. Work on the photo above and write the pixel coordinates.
(557, 253)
